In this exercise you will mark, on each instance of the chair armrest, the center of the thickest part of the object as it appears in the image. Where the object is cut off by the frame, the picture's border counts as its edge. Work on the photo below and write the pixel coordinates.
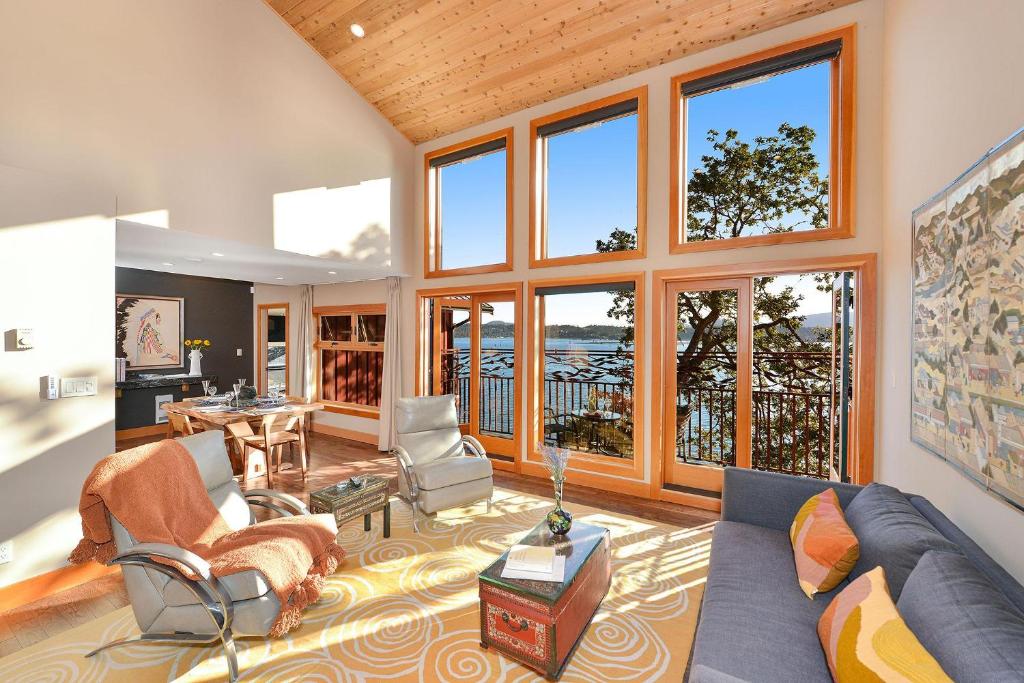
(253, 496)
(475, 447)
(772, 500)
(214, 596)
(405, 469)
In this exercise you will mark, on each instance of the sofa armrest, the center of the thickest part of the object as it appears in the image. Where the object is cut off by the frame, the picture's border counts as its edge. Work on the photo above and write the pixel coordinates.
(255, 497)
(771, 500)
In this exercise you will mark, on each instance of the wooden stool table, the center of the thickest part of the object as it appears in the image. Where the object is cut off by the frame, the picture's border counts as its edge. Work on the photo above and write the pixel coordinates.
(540, 623)
(346, 501)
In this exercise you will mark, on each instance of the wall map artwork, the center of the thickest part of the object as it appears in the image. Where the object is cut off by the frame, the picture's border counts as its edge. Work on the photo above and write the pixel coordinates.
(967, 360)
(150, 331)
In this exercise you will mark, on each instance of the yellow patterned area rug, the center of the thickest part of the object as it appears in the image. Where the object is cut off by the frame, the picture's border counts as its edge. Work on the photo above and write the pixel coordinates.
(406, 609)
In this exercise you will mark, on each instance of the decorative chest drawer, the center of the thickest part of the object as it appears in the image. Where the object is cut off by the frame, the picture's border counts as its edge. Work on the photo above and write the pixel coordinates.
(346, 501)
(540, 623)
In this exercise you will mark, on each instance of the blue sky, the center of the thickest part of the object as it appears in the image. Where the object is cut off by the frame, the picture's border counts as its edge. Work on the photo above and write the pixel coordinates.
(592, 176)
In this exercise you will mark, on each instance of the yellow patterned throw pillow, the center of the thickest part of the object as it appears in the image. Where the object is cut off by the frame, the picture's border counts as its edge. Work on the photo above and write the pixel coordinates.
(866, 640)
(824, 547)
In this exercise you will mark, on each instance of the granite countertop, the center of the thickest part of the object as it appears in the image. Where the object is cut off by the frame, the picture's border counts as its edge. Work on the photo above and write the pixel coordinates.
(153, 381)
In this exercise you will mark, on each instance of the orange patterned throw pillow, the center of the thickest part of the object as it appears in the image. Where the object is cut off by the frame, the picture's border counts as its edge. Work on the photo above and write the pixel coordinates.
(824, 547)
(866, 640)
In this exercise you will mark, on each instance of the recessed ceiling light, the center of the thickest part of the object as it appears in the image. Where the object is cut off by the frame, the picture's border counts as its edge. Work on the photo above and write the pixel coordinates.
(357, 30)
(332, 272)
(194, 259)
(171, 265)
(216, 253)
(278, 278)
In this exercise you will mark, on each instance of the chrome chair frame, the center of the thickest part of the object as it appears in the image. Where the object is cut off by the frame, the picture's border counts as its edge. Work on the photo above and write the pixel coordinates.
(213, 596)
(406, 470)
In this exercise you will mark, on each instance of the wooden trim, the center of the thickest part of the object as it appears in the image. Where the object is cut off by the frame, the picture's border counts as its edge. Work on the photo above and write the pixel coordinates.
(597, 480)
(842, 142)
(538, 184)
(597, 464)
(691, 499)
(865, 269)
(138, 432)
(355, 309)
(515, 289)
(353, 410)
(41, 586)
(341, 432)
(262, 371)
(432, 225)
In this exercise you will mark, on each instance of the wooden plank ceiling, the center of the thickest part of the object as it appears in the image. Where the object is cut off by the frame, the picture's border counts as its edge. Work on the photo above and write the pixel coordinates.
(433, 67)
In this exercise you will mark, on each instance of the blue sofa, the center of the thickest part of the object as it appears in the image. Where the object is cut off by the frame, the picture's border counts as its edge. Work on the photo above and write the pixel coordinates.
(756, 624)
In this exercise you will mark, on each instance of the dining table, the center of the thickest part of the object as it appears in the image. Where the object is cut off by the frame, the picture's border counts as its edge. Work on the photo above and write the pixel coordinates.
(237, 422)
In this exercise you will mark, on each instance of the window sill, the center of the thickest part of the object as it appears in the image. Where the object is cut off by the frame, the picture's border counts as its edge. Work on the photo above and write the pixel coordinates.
(676, 247)
(587, 258)
(469, 270)
(369, 413)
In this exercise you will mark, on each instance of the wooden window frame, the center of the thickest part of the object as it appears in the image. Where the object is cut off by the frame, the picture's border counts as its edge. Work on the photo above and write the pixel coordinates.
(538, 184)
(262, 311)
(354, 310)
(423, 360)
(587, 469)
(862, 434)
(432, 224)
(842, 146)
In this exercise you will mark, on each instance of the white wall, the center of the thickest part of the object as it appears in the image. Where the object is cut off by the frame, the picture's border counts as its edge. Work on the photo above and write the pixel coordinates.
(57, 277)
(952, 90)
(198, 114)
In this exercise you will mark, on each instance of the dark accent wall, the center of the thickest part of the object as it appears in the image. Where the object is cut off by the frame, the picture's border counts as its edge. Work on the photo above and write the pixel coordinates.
(218, 310)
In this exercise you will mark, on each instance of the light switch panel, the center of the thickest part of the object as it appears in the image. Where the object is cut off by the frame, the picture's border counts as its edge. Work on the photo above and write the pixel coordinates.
(77, 386)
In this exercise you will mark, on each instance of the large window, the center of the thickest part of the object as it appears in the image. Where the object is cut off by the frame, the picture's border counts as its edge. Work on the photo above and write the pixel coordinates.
(585, 368)
(588, 189)
(762, 149)
(350, 357)
(468, 207)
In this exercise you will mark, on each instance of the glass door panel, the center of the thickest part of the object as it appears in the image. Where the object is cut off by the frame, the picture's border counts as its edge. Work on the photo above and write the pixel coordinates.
(273, 350)
(708, 362)
(494, 368)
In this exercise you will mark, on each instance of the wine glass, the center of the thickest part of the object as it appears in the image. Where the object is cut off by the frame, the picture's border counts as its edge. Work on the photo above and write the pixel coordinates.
(230, 395)
(206, 387)
(211, 390)
(237, 386)
(241, 382)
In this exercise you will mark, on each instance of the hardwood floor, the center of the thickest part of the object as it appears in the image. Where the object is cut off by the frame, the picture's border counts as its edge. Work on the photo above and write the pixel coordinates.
(331, 460)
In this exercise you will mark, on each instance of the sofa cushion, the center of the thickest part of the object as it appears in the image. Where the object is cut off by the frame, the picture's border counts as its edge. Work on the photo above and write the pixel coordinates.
(450, 471)
(241, 586)
(892, 534)
(865, 639)
(824, 547)
(964, 621)
(755, 622)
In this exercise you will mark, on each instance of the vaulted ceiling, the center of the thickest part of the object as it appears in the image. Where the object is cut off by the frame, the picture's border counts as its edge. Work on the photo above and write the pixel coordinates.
(437, 66)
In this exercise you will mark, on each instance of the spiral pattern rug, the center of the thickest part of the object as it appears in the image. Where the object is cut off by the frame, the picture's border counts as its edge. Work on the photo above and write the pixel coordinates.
(406, 609)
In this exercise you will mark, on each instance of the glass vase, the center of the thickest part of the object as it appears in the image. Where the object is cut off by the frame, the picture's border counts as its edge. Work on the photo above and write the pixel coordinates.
(559, 520)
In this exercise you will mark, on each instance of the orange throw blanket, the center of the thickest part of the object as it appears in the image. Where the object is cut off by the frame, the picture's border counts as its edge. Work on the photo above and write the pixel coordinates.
(157, 493)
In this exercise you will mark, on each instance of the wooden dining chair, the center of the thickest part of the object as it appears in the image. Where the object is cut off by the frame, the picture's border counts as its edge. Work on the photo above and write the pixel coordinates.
(275, 432)
(182, 425)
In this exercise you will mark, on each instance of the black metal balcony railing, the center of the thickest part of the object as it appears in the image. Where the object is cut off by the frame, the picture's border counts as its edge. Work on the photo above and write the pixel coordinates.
(790, 426)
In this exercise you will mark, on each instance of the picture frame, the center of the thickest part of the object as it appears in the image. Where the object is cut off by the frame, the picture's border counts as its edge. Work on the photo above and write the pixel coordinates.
(150, 331)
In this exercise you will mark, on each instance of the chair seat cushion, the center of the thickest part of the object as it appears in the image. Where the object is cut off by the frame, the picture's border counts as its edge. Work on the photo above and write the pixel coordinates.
(755, 622)
(451, 471)
(967, 624)
(242, 586)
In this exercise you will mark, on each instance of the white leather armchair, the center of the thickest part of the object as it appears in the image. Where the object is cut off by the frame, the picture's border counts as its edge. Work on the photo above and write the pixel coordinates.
(438, 467)
(168, 605)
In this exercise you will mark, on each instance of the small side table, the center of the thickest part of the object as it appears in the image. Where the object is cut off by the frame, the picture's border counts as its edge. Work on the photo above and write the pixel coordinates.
(347, 502)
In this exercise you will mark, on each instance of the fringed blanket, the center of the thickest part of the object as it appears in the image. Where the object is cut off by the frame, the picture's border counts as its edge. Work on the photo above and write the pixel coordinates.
(157, 493)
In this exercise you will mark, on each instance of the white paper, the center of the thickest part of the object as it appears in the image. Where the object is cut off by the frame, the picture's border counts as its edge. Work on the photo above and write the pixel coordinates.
(557, 574)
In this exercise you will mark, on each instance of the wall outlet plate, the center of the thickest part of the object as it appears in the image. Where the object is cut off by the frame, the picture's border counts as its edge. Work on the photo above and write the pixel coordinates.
(6, 552)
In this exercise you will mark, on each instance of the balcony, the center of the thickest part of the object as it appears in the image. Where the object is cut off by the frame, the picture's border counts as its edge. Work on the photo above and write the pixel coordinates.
(791, 425)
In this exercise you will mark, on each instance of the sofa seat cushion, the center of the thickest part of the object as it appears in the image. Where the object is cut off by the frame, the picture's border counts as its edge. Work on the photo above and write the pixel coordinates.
(892, 534)
(755, 622)
(451, 471)
(242, 586)
(967, 624)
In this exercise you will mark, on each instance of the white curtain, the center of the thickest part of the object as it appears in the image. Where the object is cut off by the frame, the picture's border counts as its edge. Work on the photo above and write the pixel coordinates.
(391, 380)
(305, 343)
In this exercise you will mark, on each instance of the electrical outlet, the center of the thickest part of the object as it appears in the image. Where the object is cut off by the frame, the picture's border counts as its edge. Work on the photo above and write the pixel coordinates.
(6, 552)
